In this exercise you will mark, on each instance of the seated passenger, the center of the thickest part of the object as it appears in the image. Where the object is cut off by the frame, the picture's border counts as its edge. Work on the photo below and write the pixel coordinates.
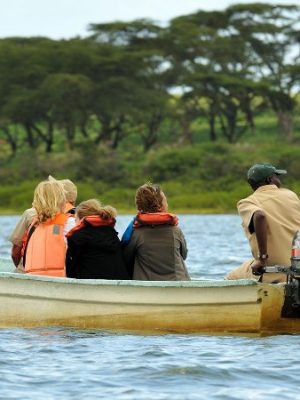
(156, 249)
(270, 217)
(44, 248)
(94, 249)
(27, 217)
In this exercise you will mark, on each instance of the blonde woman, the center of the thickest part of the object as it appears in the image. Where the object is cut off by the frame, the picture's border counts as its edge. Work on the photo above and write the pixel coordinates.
(45, 246)
(155, 250)
(28, 216)
(94, 249)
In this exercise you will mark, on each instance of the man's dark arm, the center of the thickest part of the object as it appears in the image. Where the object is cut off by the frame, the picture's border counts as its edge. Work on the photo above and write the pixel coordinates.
(16, 254)
(260, 228)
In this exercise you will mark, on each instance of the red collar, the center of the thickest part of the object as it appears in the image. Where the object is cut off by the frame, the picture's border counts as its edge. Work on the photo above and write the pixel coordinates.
(158, 218)
(94, 220)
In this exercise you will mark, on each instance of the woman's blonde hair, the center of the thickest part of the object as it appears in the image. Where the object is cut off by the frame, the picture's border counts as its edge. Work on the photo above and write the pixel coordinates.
(94, 207)
(149, 198)
(70, 189)
(49, 199)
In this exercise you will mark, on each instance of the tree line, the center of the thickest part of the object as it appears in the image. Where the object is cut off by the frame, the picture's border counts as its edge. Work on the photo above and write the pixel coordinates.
(139, 78)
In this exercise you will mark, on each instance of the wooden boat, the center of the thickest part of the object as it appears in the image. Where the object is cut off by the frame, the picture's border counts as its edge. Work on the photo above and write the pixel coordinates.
(235, 307)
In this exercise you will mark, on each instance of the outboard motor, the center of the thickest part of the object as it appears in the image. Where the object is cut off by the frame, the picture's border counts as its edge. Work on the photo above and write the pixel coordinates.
(295, 257)
(291, 307)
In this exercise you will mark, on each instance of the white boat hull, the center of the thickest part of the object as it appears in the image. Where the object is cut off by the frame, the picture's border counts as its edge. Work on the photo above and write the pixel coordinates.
(183, 307)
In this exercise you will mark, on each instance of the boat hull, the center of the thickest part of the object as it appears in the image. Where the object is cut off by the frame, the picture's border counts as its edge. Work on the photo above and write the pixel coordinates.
(152, 307)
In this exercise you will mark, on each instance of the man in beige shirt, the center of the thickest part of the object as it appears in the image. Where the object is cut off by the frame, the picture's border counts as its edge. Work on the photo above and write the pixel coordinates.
(270, 218)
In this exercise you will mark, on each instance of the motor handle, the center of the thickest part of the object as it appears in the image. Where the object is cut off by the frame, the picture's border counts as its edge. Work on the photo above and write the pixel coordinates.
(276, 268)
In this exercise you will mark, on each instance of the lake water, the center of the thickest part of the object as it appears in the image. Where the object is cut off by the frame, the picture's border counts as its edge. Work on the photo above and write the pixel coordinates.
(58, 363)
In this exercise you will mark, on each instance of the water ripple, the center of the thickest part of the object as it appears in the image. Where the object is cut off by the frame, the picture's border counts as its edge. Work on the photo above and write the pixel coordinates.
(102, 365)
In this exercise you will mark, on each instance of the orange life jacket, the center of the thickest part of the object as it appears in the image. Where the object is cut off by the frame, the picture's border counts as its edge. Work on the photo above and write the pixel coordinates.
(69, 211)
(46, 248)
(156, 218)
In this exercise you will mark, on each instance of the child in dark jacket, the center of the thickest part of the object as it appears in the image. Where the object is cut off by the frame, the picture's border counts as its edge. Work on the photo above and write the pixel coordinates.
(94, 249)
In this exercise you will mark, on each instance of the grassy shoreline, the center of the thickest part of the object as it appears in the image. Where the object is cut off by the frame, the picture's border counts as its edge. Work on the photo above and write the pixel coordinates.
(207, 178)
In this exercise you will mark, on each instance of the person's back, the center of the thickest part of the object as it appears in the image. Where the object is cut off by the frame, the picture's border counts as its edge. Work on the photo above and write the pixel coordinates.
(94, 249)
(157, 248)
(160, 251)
(282, 209)
(45, 247)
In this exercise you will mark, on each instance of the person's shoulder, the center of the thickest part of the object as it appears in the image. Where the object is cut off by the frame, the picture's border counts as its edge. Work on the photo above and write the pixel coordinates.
(176, 228)
(106, 231)
(247, 200)
(288, 192)
(79, 236)
(29, 213)
(167, 228)
(177, 231)
(101, 230)
(27, 217)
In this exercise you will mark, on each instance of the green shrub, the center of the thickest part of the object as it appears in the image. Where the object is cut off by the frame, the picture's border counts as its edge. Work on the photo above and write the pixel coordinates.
(206, 177)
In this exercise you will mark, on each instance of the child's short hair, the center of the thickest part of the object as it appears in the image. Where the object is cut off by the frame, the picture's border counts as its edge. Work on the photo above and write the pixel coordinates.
(149, 198)
(94, 207)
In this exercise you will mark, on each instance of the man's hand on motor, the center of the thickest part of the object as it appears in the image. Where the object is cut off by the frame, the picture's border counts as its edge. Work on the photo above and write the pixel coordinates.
(257, 267)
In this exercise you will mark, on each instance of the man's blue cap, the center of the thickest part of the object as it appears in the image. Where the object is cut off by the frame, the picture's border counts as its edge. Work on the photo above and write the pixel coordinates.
(260, 172)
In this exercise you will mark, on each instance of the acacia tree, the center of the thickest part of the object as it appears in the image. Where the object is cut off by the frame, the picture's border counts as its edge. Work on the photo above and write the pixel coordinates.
(131, 90)
(269, 34)
(120, 79)
(232, 57)
(210, 63)
(67, 99)
(24, 64)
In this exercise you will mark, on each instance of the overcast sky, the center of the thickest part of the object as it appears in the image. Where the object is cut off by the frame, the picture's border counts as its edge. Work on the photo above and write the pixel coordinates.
(69, 18)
